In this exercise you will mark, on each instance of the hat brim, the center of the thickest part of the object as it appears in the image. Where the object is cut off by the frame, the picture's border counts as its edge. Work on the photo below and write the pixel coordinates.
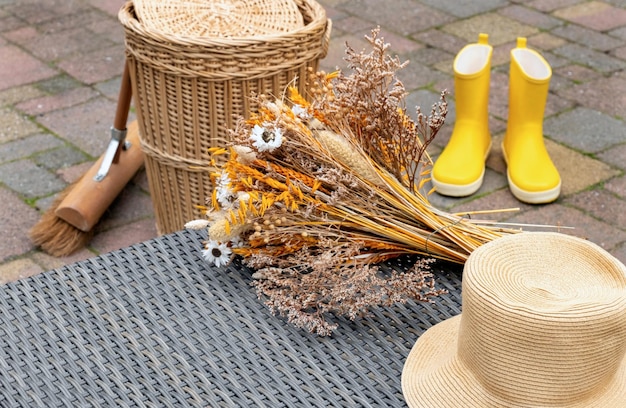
(433, 377)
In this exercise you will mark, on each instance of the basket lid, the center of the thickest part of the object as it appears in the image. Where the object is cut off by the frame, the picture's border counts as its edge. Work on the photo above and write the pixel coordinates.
(219, 18)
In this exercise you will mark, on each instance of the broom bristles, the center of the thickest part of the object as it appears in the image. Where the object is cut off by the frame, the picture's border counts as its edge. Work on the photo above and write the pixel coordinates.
(54, 235)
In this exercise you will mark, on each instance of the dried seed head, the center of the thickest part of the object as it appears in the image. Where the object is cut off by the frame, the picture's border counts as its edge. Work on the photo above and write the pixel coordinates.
(219, 232)
(342, 150)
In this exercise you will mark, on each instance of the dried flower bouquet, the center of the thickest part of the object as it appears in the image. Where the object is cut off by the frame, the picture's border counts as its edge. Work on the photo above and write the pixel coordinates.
(315, 195)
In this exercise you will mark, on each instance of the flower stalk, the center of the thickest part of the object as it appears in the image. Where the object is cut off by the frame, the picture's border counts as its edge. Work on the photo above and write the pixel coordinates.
(317, 190)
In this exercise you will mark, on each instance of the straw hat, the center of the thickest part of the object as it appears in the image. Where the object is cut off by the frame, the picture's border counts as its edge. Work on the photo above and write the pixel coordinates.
(543, 325)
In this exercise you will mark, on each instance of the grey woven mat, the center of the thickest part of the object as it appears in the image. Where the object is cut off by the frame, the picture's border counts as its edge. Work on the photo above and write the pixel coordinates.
(153, 326)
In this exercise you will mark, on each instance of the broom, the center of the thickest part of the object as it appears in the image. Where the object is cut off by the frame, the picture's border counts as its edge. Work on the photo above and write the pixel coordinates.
(68, 224)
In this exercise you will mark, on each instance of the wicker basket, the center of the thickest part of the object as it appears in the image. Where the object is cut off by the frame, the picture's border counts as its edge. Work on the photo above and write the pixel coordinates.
(189, 91)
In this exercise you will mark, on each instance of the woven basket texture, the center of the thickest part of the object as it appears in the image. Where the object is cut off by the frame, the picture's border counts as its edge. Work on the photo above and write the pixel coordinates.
(190, 91)
(219, 18)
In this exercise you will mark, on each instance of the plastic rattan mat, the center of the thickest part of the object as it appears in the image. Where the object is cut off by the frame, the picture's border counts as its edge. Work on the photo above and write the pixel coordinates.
(153, 326)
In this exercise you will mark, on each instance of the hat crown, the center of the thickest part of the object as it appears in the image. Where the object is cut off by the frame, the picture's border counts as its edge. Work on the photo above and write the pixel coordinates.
(544, 319)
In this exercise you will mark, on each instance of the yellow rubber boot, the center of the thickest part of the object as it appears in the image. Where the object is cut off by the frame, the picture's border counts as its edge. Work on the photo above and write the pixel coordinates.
(460, 168)
(533, 178)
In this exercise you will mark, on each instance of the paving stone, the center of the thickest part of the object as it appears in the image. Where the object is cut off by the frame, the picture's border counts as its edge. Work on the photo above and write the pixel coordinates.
(141, 180)
(619, 252)
(10, 23)
(602, 205)
(59, 158)
(80, 17)
(397, 44)
(545, 41)
(351, 25)
(555, 61)
(59, 84)
(40, 12)
(441, 40)
(604, 94)
(48, 262)
(335, 58)
(551, 5)
(425, 99)
(580, 224)
(28, 179)
(492, 182)
(43, 204)
(581, 81)
(617, 186)
(124, 236)
(465, 8)
(615, 156)
(620, 53)
(131, 205)
(111, 7)
(97, 66)
(619, 33)
(56, 46)
(14, 125)
(18, 94)
(502, 204)
(18, 269)
(416, 75)
(25, 147)
(591, 58)
(588, 37)
(73, 173)
(501, 29)
(62, 100)
(110, 88)
(109, 29)
(586, 130)
(334, 14)
(405, 17)
(578, 172)
(429, 56)
(595, 15)
(19, 68)
(558, 82)
(527, 15)
(16, 218)
(577, 73)
(502, 54)
(86, 125)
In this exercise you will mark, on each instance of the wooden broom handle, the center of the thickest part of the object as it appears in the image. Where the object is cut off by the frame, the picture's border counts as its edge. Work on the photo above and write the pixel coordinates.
(123, 106)
(123, 101)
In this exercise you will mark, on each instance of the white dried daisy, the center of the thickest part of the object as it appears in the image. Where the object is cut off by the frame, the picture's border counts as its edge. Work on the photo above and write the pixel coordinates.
(216, 253)
(225, 195)
(300, 112)
(266, 137)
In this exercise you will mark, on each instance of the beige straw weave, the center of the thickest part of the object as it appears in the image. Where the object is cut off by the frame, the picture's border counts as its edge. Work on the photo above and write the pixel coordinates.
(219, 18)
(190, 91)
(543, 325)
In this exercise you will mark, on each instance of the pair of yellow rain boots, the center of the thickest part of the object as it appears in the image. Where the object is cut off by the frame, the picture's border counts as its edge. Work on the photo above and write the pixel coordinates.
(460, 168)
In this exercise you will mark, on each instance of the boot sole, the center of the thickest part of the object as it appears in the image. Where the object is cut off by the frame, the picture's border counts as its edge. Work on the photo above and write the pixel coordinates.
(534, 197)
(530, 197)
(455, 190)
(461, 190)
